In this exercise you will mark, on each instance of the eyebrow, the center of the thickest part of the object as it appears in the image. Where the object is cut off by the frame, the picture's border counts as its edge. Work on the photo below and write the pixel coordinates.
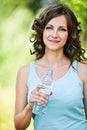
(59, 26)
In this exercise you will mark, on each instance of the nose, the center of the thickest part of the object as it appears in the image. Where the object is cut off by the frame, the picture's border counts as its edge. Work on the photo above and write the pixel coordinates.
(55, 33)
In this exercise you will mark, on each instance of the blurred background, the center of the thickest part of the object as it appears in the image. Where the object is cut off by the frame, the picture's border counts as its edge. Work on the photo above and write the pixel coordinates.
(16, 17)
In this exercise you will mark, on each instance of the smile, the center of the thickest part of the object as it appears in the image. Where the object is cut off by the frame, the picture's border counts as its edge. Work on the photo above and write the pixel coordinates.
(54, 41)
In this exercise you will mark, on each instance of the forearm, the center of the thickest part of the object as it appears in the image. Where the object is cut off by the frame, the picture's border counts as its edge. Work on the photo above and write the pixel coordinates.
(23, 119)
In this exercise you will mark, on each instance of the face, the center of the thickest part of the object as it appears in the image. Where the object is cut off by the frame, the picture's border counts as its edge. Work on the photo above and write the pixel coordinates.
(55, 33)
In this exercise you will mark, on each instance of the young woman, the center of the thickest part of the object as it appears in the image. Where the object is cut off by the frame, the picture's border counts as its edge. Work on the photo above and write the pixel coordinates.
(56, 42)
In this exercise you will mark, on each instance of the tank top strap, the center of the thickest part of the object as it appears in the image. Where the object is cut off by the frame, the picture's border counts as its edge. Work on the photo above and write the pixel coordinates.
(31, 71)
(74, 64)
(32, 64)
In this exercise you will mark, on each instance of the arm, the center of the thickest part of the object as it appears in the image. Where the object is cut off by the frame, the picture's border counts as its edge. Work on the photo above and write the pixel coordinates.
(83, 75)
(23, 111)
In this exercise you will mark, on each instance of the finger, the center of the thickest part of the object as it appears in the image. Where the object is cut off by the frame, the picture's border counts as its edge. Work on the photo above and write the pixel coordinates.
(39, 87)
(39, 97)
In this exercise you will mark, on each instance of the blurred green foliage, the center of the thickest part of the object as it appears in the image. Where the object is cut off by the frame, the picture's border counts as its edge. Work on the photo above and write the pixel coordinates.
(80, 9)
(7, 99)
(16, 18)
(13, 43)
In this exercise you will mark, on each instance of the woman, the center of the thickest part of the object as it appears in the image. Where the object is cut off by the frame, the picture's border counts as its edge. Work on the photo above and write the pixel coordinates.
(56, 42)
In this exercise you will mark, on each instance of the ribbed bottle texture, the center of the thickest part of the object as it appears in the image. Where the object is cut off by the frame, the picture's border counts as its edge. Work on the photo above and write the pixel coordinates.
(40, 108)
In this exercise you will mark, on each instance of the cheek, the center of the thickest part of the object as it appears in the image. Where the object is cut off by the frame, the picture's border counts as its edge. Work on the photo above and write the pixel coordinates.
(47, 33)
(65, 36)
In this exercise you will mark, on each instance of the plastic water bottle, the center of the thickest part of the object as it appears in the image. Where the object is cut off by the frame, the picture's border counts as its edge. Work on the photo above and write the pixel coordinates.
(40, 108)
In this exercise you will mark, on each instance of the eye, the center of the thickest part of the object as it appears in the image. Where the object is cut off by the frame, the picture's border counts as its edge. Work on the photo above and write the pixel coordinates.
(63, 29)
(48, 27)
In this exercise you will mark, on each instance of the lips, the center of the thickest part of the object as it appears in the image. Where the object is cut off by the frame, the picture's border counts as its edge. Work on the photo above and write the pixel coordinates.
(54, 41)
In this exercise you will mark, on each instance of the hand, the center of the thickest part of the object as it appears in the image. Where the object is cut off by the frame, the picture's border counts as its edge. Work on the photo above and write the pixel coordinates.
(37, 96)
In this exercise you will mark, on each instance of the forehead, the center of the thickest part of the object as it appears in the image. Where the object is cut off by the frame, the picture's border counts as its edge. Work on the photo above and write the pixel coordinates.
(58, 20)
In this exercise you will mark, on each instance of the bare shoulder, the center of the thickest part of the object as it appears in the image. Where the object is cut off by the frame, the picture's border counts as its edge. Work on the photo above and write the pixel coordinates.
(22, 74)
(23, 69)
(82, 69)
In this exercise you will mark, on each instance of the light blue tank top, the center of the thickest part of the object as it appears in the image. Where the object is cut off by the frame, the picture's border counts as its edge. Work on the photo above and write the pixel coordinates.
(65, 105)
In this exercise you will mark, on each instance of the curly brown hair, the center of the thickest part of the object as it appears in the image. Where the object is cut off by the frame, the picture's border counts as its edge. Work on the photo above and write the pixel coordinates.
(72, 48)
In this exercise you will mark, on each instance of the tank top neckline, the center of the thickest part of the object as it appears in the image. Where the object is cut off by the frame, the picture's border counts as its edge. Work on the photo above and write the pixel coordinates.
(74, 64)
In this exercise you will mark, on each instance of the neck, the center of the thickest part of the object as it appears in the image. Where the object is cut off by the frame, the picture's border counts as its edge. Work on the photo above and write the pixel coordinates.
(54, 60)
